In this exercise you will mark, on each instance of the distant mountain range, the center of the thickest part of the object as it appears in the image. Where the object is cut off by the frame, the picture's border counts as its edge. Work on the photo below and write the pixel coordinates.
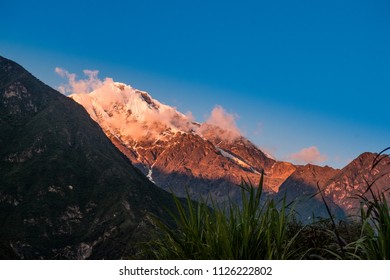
(80, 182)
(179, 154)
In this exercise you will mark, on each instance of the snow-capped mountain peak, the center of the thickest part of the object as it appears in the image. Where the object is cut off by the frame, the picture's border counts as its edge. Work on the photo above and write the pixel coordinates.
(173, 150)
(121, 109)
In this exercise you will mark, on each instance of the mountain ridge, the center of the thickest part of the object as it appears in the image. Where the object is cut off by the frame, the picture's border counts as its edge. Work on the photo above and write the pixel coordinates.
(66, 192)
(177, 153)
(166, 131)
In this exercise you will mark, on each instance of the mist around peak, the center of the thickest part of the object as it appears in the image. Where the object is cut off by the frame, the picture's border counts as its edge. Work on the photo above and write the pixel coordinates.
(130, 111)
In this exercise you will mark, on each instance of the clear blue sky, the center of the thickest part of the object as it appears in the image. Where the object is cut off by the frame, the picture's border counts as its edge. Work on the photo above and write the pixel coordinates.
(296, 73)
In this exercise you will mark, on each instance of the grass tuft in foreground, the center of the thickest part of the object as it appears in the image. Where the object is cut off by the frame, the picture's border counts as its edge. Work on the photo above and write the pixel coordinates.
(264, 229)
(254, 230)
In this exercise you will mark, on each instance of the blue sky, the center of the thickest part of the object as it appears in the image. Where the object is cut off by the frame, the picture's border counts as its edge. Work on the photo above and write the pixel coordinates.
(296, 74)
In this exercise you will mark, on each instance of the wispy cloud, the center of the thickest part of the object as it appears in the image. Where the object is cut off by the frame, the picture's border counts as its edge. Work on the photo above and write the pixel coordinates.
(308, 155)
(75, 85)
(145, 121)
(219, 117)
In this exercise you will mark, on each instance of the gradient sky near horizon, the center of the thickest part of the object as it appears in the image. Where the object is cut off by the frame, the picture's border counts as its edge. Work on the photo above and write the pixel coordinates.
(305, 80)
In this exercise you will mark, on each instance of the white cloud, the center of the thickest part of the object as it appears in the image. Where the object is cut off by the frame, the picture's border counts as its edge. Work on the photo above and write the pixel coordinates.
(99, 96)
(106, 94)
(308, 155)
(219, 117)
(75, 86)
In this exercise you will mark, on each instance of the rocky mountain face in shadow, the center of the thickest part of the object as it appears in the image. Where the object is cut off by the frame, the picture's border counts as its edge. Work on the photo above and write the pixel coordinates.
(207, 160)
(369, 171)
(78, 182)
(66, 192)
(177, 153)
(342, 189)
(302, 188)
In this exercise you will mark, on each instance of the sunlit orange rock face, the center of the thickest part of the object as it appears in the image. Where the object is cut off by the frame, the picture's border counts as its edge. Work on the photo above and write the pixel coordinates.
(212, 158)
(174, 151)
(368, 172)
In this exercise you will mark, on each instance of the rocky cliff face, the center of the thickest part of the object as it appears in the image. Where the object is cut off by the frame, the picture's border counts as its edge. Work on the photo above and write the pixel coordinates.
(65, 190)
(175, 152)
(302, 188)
(247, 155)
(341, 188)
(204, 159)
(368, 171)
